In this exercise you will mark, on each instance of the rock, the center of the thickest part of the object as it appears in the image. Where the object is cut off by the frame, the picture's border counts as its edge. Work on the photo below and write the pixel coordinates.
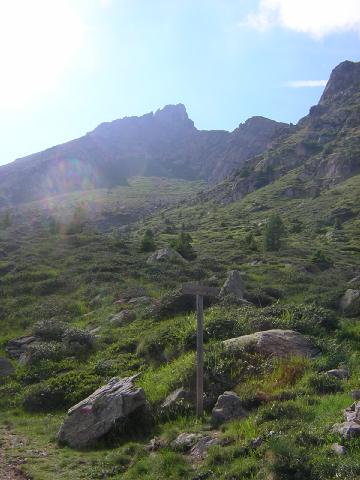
(122, 318)
(350, 302)
(140, 300)
(234, 285)
(347, 429)
(165, 255)
(227, 407)
(257, 442)
(355, 394)
(96, 415)
(185, 441)
(18, 346)
(6, 368)
(338, 449)
(177, 400)
(96, 301)
(154, 445)
(200, 449)
(340, 373)
(280, 343)
(352, 414)
(355, 281)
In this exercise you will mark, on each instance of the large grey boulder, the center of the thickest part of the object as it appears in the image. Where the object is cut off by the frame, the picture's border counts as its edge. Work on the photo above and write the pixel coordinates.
(6, 368)
(96, 415)
(350, 302)
(165, 255)
(228, 407)
(234, 285)
(279, 343)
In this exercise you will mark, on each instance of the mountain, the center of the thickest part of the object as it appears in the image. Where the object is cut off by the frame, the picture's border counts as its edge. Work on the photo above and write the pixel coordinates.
(164, 144)
(323, 149)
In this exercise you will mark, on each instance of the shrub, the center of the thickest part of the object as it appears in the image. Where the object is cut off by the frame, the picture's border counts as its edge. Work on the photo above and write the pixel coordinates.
(322, 383)
(321, 260)
(60, 392)
(147, 243)
(49, 329)
(183, 246)
(274, 232)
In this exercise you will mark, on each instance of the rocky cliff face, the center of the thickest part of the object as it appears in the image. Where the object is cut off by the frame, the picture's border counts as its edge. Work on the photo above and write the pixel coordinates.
(165, 143)
(322, 150)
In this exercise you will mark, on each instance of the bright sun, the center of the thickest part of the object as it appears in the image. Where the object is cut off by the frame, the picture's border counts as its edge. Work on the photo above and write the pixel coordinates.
(39, 39)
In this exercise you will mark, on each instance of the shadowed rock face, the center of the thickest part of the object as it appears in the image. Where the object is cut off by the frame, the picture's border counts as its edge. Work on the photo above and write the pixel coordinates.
(164, 144)
(280, 343)
(96, 415)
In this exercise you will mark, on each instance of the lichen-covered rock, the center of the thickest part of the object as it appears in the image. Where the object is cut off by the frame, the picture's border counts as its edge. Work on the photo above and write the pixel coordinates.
(96, 415)
(234, 285)
(350, 302)
(280, 343)
(228, 407)
(18, 346)
(352, 414)
(200, 450)
(185, 441)
(347, 430)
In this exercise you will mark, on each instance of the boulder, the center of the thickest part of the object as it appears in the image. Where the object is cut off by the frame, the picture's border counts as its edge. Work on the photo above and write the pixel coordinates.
(280, 343)
(96, 415)
(350, 303)
(18, 346)
(165, 255)
(234, 285)
(185, 441)
(122, 318)
(6, 368)
(144, 300)
(340, 373)
(355, 394)
(338, 449)
(352, 414)
(227, 407)
(347, 429)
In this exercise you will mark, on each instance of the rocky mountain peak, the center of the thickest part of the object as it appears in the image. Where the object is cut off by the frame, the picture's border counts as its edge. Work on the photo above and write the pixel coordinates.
(174, 115)
(345, 78)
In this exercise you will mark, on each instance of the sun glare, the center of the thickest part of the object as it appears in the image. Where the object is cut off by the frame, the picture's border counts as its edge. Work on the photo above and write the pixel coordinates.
(39, 40)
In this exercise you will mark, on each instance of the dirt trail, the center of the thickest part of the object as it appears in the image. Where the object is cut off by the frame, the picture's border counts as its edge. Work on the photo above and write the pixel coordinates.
(9, 468)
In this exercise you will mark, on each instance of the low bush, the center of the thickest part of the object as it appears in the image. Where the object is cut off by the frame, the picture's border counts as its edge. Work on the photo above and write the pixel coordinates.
(321, 383)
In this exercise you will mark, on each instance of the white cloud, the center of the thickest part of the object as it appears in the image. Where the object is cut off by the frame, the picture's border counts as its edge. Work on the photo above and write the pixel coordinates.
(316, 18)
(306, 83)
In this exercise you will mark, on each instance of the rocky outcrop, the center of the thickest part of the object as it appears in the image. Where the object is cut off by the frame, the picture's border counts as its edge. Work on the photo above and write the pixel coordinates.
(350, 303)
(200, 450)
(279, 343)
(94, 416)
(234, 285)
(20, 346)
(165, 255)
(228, 407)
(185, 441)
(351, 427)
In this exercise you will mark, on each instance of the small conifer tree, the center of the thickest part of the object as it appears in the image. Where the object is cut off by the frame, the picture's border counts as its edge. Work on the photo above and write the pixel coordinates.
(148, 242)
(274, 231)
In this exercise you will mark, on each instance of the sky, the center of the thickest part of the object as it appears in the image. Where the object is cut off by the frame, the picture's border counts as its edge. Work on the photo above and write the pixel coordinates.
(68, 65)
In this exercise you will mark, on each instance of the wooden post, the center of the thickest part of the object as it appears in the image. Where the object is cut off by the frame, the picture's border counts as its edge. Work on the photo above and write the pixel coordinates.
(200, 356)
(200, 291)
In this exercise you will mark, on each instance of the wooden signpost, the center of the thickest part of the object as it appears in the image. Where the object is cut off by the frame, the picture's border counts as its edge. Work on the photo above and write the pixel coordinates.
(200, 291)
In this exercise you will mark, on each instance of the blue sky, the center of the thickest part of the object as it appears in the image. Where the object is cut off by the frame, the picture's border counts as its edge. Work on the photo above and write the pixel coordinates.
(68, 65)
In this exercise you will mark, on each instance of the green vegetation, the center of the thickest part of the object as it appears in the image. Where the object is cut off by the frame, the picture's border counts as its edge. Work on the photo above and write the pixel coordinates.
(64, 286)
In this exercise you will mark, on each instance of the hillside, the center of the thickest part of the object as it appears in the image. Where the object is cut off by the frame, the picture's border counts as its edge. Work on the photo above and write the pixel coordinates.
(163, 144)
(96, 301)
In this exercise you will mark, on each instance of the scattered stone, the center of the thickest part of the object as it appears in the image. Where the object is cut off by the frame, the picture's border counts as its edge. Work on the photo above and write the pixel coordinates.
(338, 449)
(350, 302)
(280, 343)
(185, 441)
(140, 300)
(18, 346)
(234, 285)
(6, 368)
(352, 413)
(355, 394)
(177, 400)
(96, 415)
(347, 429)
(340, 373)
(200, 449)
(227, 407)
(122, 318)
(165, 255)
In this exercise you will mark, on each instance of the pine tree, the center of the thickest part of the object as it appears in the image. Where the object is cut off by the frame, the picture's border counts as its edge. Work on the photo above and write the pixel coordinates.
(274, 232)
(183, 246)
(148, 242)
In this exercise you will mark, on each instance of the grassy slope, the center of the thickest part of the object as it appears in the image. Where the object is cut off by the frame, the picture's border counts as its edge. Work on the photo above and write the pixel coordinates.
(46, 274)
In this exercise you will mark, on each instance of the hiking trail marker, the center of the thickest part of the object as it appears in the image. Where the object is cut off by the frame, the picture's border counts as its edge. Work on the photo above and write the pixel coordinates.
(200, 291)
